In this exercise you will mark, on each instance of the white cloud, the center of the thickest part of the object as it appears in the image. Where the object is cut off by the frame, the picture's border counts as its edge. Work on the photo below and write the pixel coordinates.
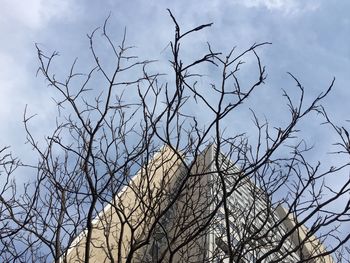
(33, 13)
(284, 6)
(21, 22)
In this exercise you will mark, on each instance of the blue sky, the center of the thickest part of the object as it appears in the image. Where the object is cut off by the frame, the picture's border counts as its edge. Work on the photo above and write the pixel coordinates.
(310, 39)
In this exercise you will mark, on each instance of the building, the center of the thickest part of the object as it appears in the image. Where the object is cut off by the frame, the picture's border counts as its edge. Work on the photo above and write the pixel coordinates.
(177, 210)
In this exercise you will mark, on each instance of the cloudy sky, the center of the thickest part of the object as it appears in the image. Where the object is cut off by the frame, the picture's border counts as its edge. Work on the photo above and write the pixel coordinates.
(310, 39)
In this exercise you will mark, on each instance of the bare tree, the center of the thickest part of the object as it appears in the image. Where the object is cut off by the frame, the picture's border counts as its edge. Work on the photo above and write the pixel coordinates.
(133, 172)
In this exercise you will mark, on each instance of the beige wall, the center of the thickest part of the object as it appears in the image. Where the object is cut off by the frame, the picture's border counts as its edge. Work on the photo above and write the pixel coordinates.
(126, 221)
(311, 245)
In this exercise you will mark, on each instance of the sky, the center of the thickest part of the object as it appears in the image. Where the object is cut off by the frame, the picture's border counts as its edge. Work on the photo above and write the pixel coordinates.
(309, 39)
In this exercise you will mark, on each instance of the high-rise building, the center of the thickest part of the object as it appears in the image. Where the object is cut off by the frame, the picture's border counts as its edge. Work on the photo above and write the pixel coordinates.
(178, 210)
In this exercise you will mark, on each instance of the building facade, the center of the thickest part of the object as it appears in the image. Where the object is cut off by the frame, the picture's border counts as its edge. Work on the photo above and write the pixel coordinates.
(200, 210)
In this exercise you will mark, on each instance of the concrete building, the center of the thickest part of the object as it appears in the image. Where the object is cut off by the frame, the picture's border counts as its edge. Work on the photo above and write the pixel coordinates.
(175, 210)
